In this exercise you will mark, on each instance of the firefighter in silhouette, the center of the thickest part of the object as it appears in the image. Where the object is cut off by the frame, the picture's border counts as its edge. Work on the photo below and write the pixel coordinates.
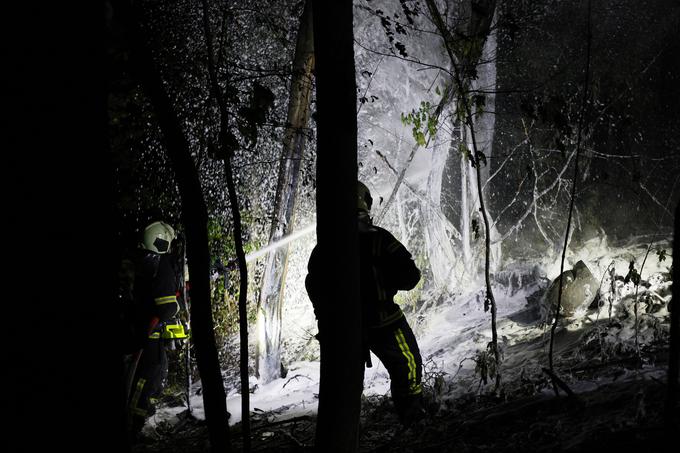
(385, 267)
(154, 306)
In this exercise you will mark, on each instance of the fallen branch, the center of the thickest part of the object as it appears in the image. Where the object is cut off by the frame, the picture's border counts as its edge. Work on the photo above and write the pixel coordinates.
(307, 418)
(295, 377)
(291, 437)
(559, 382)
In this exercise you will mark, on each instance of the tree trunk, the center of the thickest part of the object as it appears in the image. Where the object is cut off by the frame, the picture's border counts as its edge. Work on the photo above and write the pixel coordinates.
(342, 366)
(475, 21)
(674, 353)
(443, 259)
(465, 209)
(57, 175)
(270, 305)
(225, 141)
(195, 220)
(567, 235)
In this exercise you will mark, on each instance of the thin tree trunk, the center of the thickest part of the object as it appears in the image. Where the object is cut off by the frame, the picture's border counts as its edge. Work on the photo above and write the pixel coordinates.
(195, 220)
(465, 210)
(341, 383)
(238, 240)
(270, 305)
(242, 307)
(476, 26)
(573, 195)
(490, 299)
(674, 349)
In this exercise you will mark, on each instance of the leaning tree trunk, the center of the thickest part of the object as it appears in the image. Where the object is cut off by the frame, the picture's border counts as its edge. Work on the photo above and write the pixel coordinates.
(342, 366)
(273, 281)
(195, 220)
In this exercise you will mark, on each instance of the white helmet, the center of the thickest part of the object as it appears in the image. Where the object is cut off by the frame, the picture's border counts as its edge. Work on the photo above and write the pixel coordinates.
(364, 199)
(157, 237)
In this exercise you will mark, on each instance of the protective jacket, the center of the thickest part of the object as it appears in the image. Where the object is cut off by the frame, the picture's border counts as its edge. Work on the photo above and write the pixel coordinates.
(385, 267)
(155, 292)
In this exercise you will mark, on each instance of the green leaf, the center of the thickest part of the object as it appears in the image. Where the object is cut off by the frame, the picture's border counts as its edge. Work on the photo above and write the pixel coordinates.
(432, 126)
(420, 137)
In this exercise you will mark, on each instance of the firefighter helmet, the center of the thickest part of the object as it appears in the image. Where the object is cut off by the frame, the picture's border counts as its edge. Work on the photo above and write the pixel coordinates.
(157, 237)
(364, 200)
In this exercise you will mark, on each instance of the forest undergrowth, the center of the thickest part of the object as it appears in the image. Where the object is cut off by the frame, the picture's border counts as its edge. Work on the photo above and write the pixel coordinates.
(624, 413)
(617, 403)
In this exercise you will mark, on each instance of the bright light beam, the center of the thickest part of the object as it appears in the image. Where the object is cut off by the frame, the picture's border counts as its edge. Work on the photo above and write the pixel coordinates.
(252, 256)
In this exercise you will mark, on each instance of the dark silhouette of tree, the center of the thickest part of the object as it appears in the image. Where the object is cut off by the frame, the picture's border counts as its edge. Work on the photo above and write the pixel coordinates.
(579, 134)
(226, 142)
(337, 237)
(194, 218)
(674, 350)
(55, 140)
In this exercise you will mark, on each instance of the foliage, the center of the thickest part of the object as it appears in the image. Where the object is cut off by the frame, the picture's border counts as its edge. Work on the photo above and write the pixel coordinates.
(423, 120)
(224, 282)
(661, 254)
(392, 28)
(434, 383)
(485, 365)
(632, 275)
(485, 362)
(253, 116)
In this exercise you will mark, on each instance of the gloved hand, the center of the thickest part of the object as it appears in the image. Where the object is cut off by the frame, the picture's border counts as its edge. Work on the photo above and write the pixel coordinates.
(152, 324)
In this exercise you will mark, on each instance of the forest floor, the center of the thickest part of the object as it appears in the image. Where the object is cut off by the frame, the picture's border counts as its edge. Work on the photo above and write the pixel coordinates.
(617, 402)
(625, 412)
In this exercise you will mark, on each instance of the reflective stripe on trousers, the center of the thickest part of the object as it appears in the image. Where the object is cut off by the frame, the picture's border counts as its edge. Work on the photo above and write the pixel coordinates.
(414, 387)
(135, 398)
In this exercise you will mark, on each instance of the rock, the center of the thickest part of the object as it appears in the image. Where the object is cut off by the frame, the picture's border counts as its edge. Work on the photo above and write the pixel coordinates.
(579, 289)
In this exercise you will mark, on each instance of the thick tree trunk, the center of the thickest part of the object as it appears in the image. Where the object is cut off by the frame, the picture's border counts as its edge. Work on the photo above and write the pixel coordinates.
(195, 220)
(473, 19)
(341, 355)
(443, 259)
(273, 282)
(57, 176)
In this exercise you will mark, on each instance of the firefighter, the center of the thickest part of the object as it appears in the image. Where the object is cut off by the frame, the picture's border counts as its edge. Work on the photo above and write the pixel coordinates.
(385, 267)
(155, 306)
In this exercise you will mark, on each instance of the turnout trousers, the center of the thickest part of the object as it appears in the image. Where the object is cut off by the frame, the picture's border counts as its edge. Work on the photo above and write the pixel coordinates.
(151, 369)
(396, 347)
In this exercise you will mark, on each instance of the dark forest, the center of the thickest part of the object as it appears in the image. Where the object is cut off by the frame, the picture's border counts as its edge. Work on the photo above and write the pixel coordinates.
(522, 156)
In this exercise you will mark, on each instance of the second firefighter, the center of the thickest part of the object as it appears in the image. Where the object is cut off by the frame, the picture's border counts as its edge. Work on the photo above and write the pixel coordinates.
(385, 268)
